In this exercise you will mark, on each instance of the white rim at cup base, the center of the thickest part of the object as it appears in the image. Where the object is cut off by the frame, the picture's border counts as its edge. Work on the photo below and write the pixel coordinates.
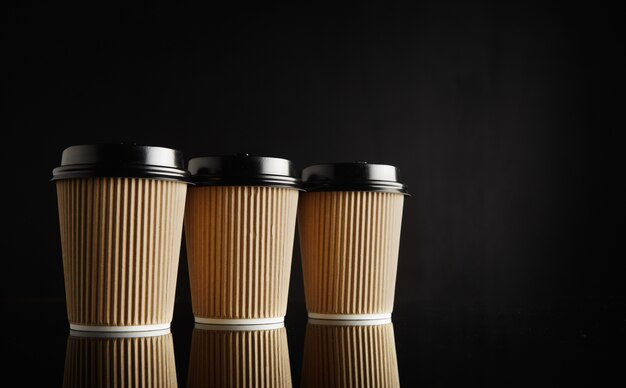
(120, 329)
(119, 334)
(351, 317)
(250, 321)
(351, 322)
(265, 326)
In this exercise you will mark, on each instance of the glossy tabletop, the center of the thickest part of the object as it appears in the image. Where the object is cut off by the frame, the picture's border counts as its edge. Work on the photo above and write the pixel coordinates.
(574, 342)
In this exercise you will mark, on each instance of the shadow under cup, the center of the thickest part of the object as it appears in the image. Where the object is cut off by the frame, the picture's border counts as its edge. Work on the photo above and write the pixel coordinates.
(349, 354)
(105, 360)
(239, 356)
(121, 211)
(349, 221)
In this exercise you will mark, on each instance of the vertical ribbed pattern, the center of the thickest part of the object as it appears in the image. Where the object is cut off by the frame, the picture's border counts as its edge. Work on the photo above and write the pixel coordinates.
(223, 358)
(121, 243)
(120, 362)
(239, 247)
(349, 243)
(350, 356)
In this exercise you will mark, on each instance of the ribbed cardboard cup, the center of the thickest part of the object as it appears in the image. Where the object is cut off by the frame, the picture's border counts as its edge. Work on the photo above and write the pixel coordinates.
(120, 238)
(338, 355)
(349, 242)
(239, 356)
(239, 235)
(120, 362)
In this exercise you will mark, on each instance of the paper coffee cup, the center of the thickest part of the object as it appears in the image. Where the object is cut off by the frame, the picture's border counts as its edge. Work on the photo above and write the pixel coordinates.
(121, 211)
(239, 356)
(340, 355)
(349, 222)
(239, 227)
(108, 361)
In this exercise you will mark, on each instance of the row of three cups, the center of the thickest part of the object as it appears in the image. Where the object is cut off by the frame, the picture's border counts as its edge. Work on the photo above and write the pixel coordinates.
(122, 209)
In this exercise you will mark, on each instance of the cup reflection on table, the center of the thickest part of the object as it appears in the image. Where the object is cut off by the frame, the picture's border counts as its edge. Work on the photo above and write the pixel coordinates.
(239, 356)
(112, 360)
(349, 354)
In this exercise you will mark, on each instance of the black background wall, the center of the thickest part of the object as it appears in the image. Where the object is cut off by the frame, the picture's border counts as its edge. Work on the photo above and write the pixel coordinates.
(502, 118)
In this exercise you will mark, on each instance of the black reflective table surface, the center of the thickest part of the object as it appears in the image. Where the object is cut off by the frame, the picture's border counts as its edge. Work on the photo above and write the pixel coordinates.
(578, 343)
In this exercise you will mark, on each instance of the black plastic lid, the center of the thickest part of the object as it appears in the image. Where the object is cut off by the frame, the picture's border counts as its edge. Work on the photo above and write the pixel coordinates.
(243, 170)
(356, 176)
(121, 160)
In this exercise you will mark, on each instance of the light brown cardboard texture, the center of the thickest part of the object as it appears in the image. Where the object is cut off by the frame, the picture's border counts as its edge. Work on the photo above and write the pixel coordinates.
(120, 240)
(239, 247)
(349, 243)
